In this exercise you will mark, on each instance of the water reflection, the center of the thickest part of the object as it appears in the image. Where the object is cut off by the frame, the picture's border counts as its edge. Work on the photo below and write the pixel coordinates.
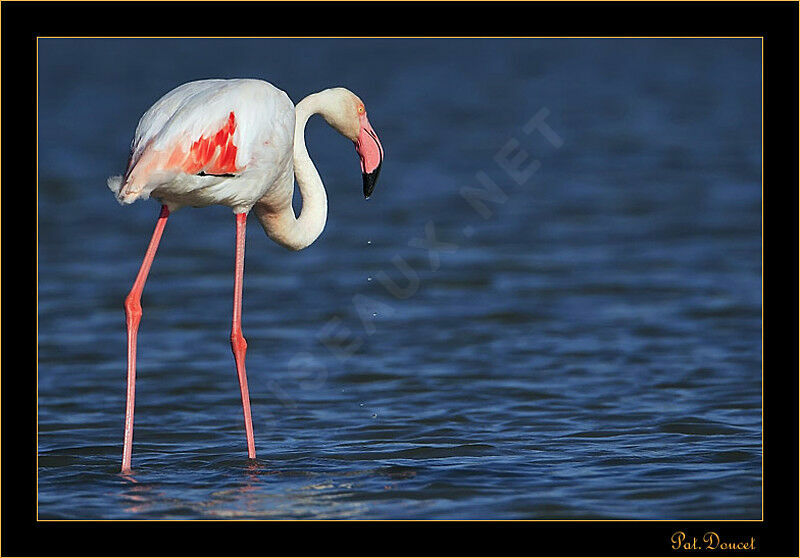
(258, 494)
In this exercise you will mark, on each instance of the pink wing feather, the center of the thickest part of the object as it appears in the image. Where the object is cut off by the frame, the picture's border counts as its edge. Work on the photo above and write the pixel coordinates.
(191, 130)
(215, 154)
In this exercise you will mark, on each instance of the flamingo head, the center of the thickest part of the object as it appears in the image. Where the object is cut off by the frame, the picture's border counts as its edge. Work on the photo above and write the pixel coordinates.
(350, 119)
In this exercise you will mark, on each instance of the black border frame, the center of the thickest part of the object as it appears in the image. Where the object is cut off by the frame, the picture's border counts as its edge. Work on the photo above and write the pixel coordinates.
(22, 22)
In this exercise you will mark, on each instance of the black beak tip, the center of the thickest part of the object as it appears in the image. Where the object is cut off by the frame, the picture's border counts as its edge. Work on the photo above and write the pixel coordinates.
(369, 181)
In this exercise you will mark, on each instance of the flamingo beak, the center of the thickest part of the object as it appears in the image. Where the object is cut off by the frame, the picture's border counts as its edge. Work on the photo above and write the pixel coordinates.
(369, 181)
(370, 151)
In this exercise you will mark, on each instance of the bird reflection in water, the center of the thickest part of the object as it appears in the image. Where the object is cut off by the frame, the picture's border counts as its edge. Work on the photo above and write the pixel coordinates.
(254, 498)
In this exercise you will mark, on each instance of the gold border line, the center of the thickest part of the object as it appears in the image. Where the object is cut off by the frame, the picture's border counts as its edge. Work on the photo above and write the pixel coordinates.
(566, 37)
(609, 520)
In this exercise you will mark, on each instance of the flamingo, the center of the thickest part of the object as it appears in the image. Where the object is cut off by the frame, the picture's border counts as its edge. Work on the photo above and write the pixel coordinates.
(238, 143)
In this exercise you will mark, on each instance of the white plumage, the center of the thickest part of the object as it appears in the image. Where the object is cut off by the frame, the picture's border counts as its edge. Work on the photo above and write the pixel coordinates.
(263, 135)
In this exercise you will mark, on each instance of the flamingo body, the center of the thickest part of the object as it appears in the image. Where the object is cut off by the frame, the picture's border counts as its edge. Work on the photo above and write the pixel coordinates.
(211, 142)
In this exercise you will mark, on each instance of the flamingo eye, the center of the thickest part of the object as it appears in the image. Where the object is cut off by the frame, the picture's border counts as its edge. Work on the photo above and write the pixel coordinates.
(361, 109)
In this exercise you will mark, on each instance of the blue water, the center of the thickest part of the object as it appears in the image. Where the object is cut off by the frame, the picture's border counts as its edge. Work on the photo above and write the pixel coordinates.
(584, 341)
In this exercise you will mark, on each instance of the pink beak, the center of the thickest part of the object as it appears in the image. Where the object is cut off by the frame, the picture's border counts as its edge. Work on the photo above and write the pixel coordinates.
(370, 151)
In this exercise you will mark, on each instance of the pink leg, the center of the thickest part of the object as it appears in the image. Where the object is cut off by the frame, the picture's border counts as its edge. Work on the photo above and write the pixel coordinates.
(238, 343)
(133, 315)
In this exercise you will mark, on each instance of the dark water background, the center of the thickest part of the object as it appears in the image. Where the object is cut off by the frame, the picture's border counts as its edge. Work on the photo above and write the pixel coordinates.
(587, 345)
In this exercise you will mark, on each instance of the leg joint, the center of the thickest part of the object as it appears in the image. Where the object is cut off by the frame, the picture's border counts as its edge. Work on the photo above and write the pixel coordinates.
(133, 306)
(238, 342)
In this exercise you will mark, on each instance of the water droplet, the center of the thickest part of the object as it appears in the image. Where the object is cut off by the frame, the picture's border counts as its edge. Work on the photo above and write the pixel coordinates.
(369, 242)
(360, 404)
(369, 278)
(374, 314)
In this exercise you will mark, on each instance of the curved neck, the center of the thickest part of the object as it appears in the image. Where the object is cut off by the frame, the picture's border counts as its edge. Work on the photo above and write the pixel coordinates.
(281, 225)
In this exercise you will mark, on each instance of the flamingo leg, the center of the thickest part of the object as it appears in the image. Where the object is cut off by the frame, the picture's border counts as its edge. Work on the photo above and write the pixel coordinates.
(133, 315)
(238, 343)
